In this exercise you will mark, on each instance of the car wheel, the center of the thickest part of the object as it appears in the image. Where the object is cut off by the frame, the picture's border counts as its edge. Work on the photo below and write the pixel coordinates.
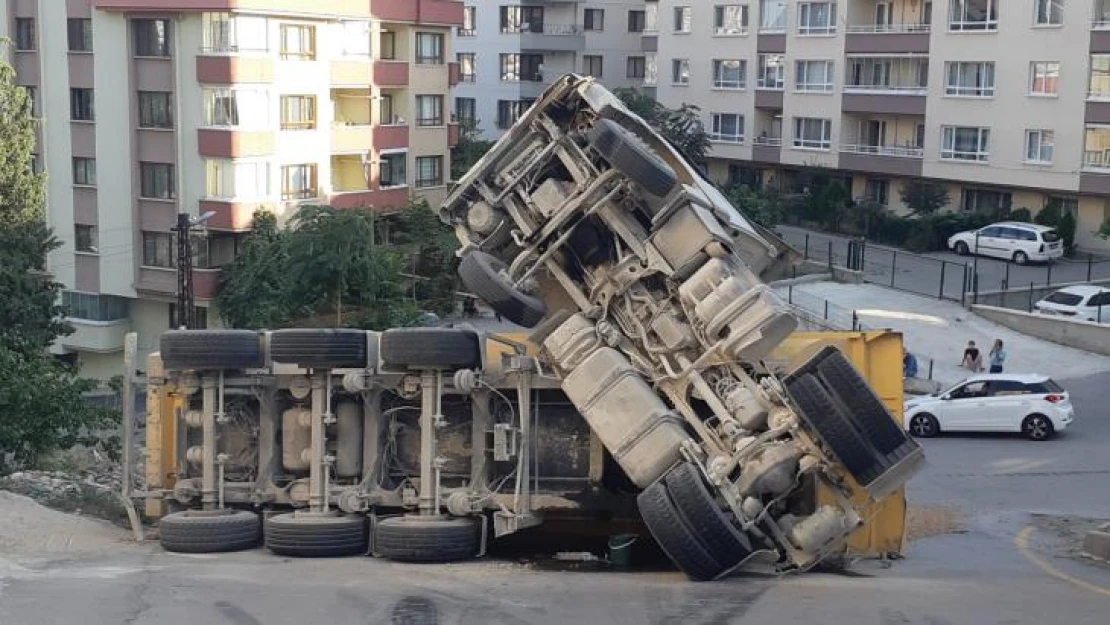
(962, 249)
(487, 277)
(1037, 427)
(630, 156)
(924, 425)
(1021, 258)
(209, 531)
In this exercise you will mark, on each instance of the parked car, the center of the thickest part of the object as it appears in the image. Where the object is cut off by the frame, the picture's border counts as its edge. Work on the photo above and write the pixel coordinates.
(1085, 301)
(1032, 404)
(1019, 242)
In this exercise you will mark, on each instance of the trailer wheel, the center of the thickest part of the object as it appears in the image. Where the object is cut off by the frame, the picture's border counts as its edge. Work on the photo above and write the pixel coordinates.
(414, 538)
(319, 348)
(864, 408)
(820, 409)
(315, 536)
(209, 531)
(629, 155)
(211, 349)
(431, 348)
(699, 509)
(485, 276)
(674, 537)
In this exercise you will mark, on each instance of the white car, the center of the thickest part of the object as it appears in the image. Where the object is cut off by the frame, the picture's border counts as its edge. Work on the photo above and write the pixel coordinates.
(1032, 404)
(1086, 301)
(1010, 240)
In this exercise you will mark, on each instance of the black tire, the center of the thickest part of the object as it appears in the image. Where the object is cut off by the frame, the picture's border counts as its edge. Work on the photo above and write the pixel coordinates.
(1037, 427)
(432, 348)
(549, 325)
(629, 155)
(703, 515)
(211, 349)
(1021, 258)
(312, 537)
(962, 249)
(202, 531)
(320, 348)
(413, 538)
(820, 409)
(483, 276)
(864, 408)
(674, 537)
(924, 425)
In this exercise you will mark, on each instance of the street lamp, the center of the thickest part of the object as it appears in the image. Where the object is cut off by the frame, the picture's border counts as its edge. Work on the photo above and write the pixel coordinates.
(186, 224)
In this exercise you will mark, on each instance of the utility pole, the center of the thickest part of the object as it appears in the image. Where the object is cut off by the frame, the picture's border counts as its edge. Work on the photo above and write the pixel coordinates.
(186, 302)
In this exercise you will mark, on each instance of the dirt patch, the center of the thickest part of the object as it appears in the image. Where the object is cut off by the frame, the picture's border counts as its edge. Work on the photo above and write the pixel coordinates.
(1062, 536)
(29, 528)
(933, 520)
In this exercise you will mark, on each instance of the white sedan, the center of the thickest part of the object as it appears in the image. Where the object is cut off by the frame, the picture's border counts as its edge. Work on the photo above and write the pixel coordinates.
(1032, 404)
(1084, 301)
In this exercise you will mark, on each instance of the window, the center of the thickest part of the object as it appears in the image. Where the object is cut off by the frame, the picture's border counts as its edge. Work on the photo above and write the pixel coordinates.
(152, 37)
(356, 38)
(298, 182)
(970, 80)
(79, 34)
(94, 306)
(158, 249)
(877, 191)
(884, 15)
(509, 111)
(683, 16)
(1099, 84)
(84, 238)
(592, 65)
(81, 105)
(1096, 147)
(965, 143)
(157, 181)
(651, 17)
(636, 21)
(466, 110)
(429, 110)
(986, 201)
(1044, 78)
(814, 76)
(32, 100)
(468, 28)
(1048, 12)
(155, 109)
(236, 107)
(634, 67)
(24, 33)
(387, 45)
(391, 170)
(772, 15)
(593, 20)
(228, 32)
(680, 71)
(298, 42)
(518, 19)
(727, 128)
(812, 133)
(84, 171)
(468, 66)
(651, 69)
(298, 112)
(1039, 145)
(385, 111)
(973, 15)
(429, 49)
(730, 19)
(429, 171)
(200, 318)
(772, 71)
(237, 179)
(816, 18)
(521, 67)
(729, 73)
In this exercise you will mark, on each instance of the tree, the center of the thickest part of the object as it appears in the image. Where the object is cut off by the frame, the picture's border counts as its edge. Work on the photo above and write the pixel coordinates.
(469, 149)
(681, 127)
(255, 289)
(1104, 229)
(924, 197)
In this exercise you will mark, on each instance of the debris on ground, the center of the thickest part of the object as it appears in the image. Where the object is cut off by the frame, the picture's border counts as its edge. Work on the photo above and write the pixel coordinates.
(923, 521)
(1063, 536)
(29, 528)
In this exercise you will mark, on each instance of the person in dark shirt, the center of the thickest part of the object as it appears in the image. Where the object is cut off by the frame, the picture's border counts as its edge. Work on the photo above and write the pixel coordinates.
(973, 360)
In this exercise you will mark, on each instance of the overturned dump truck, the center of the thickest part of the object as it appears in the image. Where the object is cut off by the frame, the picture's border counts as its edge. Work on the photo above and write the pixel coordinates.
(646, 386)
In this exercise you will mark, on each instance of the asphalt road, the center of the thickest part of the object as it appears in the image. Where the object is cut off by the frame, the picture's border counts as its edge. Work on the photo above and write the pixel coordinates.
(1006, 566)
(942, 272)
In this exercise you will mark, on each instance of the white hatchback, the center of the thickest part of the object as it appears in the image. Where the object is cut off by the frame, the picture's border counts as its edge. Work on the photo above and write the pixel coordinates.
(1032, 404)
(1010, 240)
(1084, 301)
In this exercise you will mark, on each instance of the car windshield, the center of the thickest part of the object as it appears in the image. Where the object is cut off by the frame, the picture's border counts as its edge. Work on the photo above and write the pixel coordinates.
(1064, 298)
(1050, 236)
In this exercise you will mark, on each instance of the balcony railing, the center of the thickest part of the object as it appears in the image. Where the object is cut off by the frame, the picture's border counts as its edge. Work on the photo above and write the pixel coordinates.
(1102, 23)
(896, 151)
(564, 30)
(726, 138)
(888, 89)
(1096, 159)
(772, 142)
(888, 28)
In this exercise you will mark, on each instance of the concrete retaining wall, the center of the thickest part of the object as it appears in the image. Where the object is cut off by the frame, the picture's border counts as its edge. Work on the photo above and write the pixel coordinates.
(1083, 335)
(1022, 299)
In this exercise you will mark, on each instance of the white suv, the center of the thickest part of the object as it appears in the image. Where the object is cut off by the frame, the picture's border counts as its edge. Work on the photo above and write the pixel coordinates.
(1016, 241)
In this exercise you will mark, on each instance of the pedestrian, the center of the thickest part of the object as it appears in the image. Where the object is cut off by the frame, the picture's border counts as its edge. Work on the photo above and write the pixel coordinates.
(909, 365)
(997, 356)
(973, 360)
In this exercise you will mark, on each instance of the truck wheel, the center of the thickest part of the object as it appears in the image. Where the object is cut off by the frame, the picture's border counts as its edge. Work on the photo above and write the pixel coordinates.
(699, 509)
(674, 537)
(864, 408)
(632, 157)
(486, 276)
(209, 531)
(319, 348)
(820, 409)
(434, 348)
(413, 538)
(211, 349)
(315, 536)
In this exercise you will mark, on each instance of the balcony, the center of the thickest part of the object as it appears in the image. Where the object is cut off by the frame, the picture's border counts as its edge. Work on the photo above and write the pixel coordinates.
(452, 134)
(351, 138)
(226, 70)
(548, 37)
(163, 281)
(391, 73)
(887, 39)
(893, 160)
(101, 337)
(231, 215)
(352, 72)
(391, 137)
(767, 148)
(233, 143)
(431, 12)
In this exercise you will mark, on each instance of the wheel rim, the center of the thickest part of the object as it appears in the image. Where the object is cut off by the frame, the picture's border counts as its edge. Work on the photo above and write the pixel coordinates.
(961, 249)
(921, 426)
(1020, 258)
(1038, 428)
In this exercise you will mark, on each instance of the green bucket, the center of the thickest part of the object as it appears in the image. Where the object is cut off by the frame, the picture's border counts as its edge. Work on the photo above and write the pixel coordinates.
(620, 550)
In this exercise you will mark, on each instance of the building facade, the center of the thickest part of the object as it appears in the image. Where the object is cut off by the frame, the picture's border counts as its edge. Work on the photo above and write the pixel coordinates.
(509, 51)
(1005, 103)
(151, 108)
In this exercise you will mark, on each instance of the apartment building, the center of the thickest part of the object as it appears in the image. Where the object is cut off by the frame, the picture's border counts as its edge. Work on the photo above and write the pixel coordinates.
(1005, 102)
(509, 51)
(151, 108)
